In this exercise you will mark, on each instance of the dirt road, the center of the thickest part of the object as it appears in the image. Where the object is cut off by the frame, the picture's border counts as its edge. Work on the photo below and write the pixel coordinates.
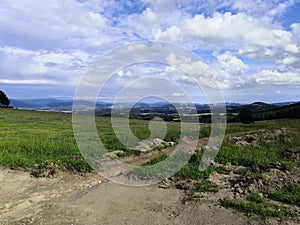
(89, 199)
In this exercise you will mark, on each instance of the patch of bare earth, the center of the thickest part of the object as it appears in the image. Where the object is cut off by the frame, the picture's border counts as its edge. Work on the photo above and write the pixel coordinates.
(74, 199)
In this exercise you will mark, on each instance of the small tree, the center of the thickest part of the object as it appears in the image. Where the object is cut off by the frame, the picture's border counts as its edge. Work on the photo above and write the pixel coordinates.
(246, 116)
(3, 99)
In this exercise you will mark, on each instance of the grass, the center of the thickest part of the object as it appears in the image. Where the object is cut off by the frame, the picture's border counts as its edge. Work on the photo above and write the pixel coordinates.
(289, 194)
(261, 208)
(264, 152)
(28, 138)
(206, 186)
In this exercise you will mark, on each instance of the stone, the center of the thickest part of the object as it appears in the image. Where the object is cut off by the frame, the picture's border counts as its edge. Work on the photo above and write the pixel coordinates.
(240, 170)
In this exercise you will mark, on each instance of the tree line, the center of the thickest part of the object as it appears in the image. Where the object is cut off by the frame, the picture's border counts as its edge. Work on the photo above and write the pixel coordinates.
(4, 101)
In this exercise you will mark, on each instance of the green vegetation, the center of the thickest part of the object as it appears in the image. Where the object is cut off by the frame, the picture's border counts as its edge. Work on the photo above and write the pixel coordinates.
(289, 194)
(161, 168)
(246, 116)
(28, 138)
(4, 99)
(206, 186)
(261, 208)
(156, 160)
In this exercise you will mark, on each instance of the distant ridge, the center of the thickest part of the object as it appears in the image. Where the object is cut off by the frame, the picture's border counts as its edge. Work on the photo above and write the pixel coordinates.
(260, 110)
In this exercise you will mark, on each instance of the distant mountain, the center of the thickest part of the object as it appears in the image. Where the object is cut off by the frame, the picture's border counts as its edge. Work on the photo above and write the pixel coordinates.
(33, 103)
(285, 111)
(260, 110)
(20, 104)
(261, 106)
(53, 104)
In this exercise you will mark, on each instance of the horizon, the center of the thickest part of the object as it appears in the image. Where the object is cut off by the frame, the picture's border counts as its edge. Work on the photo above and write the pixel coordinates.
(154, 102)
(249, 50)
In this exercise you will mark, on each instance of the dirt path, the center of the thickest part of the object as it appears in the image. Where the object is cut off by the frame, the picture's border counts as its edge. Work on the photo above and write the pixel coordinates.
(73, 199)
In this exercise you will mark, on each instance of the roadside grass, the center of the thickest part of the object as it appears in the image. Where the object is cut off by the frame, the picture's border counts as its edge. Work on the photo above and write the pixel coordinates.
(261, 208)
(265, 125)
(289, 194)
(206, 186)
(257, 155)
(28, 138)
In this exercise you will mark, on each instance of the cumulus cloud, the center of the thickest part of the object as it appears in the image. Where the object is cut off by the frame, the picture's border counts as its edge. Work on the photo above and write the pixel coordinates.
(37, 24)
(269, 8)
(41, 66)
(230, 27)
(231, 64)
(276, 78)
(197, 70)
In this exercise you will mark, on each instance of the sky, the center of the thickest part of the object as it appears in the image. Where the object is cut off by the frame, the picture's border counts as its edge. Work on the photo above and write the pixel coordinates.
(247, 49)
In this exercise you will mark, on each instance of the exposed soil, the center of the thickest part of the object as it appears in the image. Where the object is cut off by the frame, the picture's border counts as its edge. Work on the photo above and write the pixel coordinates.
(89, 199)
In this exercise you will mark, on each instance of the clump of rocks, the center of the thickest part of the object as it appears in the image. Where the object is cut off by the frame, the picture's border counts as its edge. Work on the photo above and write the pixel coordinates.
(293, 153)
(151, 144)
(254, 139)
(45, 169)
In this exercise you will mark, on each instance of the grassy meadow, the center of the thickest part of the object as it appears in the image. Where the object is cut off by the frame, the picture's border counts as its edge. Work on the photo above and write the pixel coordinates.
(28, 138)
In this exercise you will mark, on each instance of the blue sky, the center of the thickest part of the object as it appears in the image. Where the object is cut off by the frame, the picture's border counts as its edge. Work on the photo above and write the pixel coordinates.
(251, 48)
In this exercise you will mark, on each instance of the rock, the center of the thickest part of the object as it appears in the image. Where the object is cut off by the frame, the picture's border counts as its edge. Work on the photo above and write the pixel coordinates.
(114, 154)
(228, 167)
(240, 170)
(150, 144)
(251, 189)
(236, 139)
(164, 184)
(242, 143)
(293, 153)
(251, 138)
(239, 190)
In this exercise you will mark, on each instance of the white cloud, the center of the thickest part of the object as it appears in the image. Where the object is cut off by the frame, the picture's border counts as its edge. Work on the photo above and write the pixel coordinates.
(229, 27)
(121, 73)
(172, 34)
(148, 16)
(31, 81)
(257, 53)
(272, 77)
(162, 6)
(197, 70)
(266, 8)
(42, 66)
(177, 94)
(231, 64)
(41, 24)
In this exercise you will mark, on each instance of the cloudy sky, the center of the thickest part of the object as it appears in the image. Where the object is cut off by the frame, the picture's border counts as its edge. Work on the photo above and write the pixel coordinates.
(249, 48)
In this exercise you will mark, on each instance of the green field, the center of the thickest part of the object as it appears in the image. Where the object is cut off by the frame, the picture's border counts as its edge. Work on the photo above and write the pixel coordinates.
(28, 138)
